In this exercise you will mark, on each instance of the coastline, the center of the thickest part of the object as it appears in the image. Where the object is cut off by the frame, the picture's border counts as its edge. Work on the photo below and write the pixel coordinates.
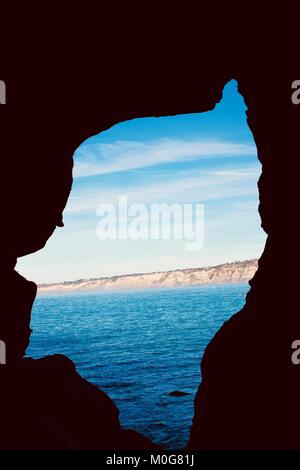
(227, 273)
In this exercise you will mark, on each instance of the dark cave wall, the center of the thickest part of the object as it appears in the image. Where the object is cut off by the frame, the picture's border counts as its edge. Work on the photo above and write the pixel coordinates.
(248, 396)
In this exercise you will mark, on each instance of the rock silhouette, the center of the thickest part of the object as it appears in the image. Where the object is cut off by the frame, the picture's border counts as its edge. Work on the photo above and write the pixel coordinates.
(249, 395)
(178, 393)
(59, 410)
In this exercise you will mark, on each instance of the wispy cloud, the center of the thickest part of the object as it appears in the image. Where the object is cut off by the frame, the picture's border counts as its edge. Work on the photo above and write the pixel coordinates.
(200, 186)
(103, 158)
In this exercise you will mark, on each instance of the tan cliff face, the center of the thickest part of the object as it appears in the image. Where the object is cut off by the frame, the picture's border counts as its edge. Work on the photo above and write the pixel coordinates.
(240, 271)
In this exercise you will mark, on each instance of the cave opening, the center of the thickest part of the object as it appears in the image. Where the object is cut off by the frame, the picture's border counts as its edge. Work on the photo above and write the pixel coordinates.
(135, 312)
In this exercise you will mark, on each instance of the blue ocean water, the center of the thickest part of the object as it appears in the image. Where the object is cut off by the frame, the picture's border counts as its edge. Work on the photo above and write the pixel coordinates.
(138, 346)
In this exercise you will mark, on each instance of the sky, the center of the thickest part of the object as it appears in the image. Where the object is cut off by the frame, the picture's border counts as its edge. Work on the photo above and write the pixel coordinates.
(207, 159)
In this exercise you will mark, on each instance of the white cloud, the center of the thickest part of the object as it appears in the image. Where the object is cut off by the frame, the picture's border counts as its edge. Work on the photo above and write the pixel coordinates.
(197, 186)
(101, 158)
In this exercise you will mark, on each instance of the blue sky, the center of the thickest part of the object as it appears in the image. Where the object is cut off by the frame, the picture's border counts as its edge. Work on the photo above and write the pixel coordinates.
(207, 158)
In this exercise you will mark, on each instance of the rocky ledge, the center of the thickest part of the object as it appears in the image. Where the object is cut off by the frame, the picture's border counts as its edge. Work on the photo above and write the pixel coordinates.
(46, 405)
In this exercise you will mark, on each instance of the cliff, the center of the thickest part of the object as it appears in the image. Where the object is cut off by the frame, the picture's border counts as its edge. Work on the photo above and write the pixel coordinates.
(240, 271)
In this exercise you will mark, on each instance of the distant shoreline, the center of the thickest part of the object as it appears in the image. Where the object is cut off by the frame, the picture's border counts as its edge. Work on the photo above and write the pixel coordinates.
(136, 289)
(227, 273)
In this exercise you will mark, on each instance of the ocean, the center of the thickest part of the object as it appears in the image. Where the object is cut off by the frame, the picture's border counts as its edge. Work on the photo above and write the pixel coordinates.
(138, 346)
